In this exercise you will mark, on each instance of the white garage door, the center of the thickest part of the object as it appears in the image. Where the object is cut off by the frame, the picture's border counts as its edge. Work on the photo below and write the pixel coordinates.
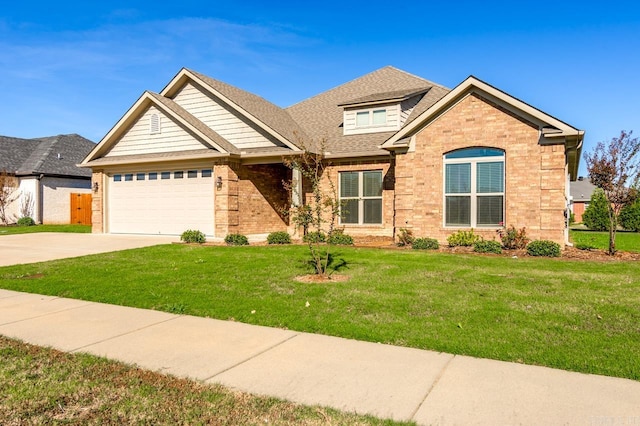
(161, 202)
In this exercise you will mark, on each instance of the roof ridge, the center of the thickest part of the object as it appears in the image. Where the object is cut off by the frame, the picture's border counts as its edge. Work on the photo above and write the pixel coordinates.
(386, 67)
(38, 156)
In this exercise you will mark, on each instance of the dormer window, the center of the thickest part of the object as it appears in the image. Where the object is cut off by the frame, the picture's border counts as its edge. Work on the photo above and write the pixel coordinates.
(379, 112)
(376, 117)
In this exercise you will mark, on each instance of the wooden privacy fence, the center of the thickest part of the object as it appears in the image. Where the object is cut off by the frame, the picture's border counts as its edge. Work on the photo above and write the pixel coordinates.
(81, 209)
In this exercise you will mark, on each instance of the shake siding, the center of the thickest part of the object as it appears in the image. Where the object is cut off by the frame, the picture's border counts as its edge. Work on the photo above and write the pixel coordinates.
(213, 113)
(139, 140)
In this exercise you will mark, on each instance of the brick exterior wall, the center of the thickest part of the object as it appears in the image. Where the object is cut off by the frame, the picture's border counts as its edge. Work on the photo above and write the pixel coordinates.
(535, 175)
(250, 199)
(331, 173)
(263, 198)
(97, 226)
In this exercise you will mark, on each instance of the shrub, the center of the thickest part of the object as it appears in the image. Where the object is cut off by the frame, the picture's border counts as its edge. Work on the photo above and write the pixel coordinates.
(485, 246)
(512, 238)
(236, 240)
(630, 217)
(279, 237)
(425, 244)
(462, 238)
(26, 221)
(572, 218)
(192, 236)
(543, 248)
(405, 237)
(315, 237)
(596, 215)
(339, 238)
(585, 246)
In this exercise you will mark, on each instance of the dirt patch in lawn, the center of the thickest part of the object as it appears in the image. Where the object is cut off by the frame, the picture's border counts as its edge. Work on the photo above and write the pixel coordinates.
(321, 279)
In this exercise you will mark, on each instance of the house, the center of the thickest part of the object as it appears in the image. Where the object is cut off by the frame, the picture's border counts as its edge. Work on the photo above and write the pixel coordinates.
(402, 151)
(580, 196)
(45, 175)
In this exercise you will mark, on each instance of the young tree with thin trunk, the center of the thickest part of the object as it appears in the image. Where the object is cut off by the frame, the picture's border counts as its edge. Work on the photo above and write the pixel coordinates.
(614, 167)
(319, 215)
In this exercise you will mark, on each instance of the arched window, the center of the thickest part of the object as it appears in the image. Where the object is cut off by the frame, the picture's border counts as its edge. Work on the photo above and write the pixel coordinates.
(474, 187)
(154, 124)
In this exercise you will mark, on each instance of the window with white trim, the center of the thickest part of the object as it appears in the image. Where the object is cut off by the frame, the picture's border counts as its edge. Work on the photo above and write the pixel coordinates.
(474, 187)
(361, 197)
(372, 117)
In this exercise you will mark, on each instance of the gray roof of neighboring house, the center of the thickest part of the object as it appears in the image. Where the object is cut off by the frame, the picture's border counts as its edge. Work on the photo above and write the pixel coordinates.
(581, 189)
(53, 155)
(321, 116)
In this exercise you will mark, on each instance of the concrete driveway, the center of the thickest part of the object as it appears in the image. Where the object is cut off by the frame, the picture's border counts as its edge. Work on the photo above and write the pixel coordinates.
(44, 246)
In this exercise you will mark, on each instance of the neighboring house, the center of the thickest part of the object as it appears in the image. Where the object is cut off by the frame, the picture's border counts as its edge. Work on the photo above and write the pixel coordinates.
(581, 191)
(403, 152)
(46, 174)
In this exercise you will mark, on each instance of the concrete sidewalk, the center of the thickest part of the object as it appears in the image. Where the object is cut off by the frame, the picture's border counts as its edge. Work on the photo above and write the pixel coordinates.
(369, 378)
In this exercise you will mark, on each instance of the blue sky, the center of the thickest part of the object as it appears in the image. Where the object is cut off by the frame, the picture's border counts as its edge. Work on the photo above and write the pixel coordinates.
(76, 67)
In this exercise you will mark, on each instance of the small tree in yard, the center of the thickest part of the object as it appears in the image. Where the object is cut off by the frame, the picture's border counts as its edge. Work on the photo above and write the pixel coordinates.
(8, 188)
(614, 167)
(320, 215)
(596, 215)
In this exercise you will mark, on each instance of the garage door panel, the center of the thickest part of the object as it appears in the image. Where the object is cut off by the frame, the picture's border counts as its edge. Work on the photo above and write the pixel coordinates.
(162, 206)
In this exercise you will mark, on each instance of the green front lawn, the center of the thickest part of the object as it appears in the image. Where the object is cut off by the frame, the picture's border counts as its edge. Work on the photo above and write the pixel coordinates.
(625, 240)
(573, 315)
(10, 230)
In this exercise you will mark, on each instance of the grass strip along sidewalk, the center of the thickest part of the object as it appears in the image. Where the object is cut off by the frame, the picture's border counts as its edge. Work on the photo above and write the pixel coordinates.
(12, 230)
(572, 315)
(44, 386)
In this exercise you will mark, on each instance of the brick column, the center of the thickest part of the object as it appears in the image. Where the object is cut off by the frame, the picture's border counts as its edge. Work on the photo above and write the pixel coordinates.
(226, 200)
(97, 205)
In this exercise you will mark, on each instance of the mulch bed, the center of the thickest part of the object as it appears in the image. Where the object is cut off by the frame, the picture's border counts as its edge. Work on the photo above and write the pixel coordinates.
(388, 244)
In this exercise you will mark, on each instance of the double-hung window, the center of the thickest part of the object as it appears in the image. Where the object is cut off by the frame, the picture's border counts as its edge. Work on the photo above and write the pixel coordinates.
(474, 187)
(361, 197)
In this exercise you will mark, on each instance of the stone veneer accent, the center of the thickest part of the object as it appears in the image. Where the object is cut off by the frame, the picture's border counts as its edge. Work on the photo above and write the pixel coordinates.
(535, 175)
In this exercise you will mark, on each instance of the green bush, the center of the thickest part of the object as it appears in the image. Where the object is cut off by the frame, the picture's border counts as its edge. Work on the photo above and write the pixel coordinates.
(315, 237)
(462, 238)
(339, 238)
(630, 217)
(236, 240)
(425, 244)
(405, 237)
(512, 238)
(485, 246)
(279, 237)
(26, 221)
(596, 215)
(585, 246)
(192, 236)
(572, 218)
(543, 248)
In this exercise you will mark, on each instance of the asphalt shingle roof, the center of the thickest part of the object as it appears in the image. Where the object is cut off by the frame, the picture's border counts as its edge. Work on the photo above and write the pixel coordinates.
(321, 116)
(54, 155)
(581, 190)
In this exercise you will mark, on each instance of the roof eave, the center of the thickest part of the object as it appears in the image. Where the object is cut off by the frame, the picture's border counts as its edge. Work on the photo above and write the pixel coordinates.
(472, 84)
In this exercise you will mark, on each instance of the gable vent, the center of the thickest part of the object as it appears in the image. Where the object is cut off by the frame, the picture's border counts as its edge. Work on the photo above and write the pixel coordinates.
(154, 124)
